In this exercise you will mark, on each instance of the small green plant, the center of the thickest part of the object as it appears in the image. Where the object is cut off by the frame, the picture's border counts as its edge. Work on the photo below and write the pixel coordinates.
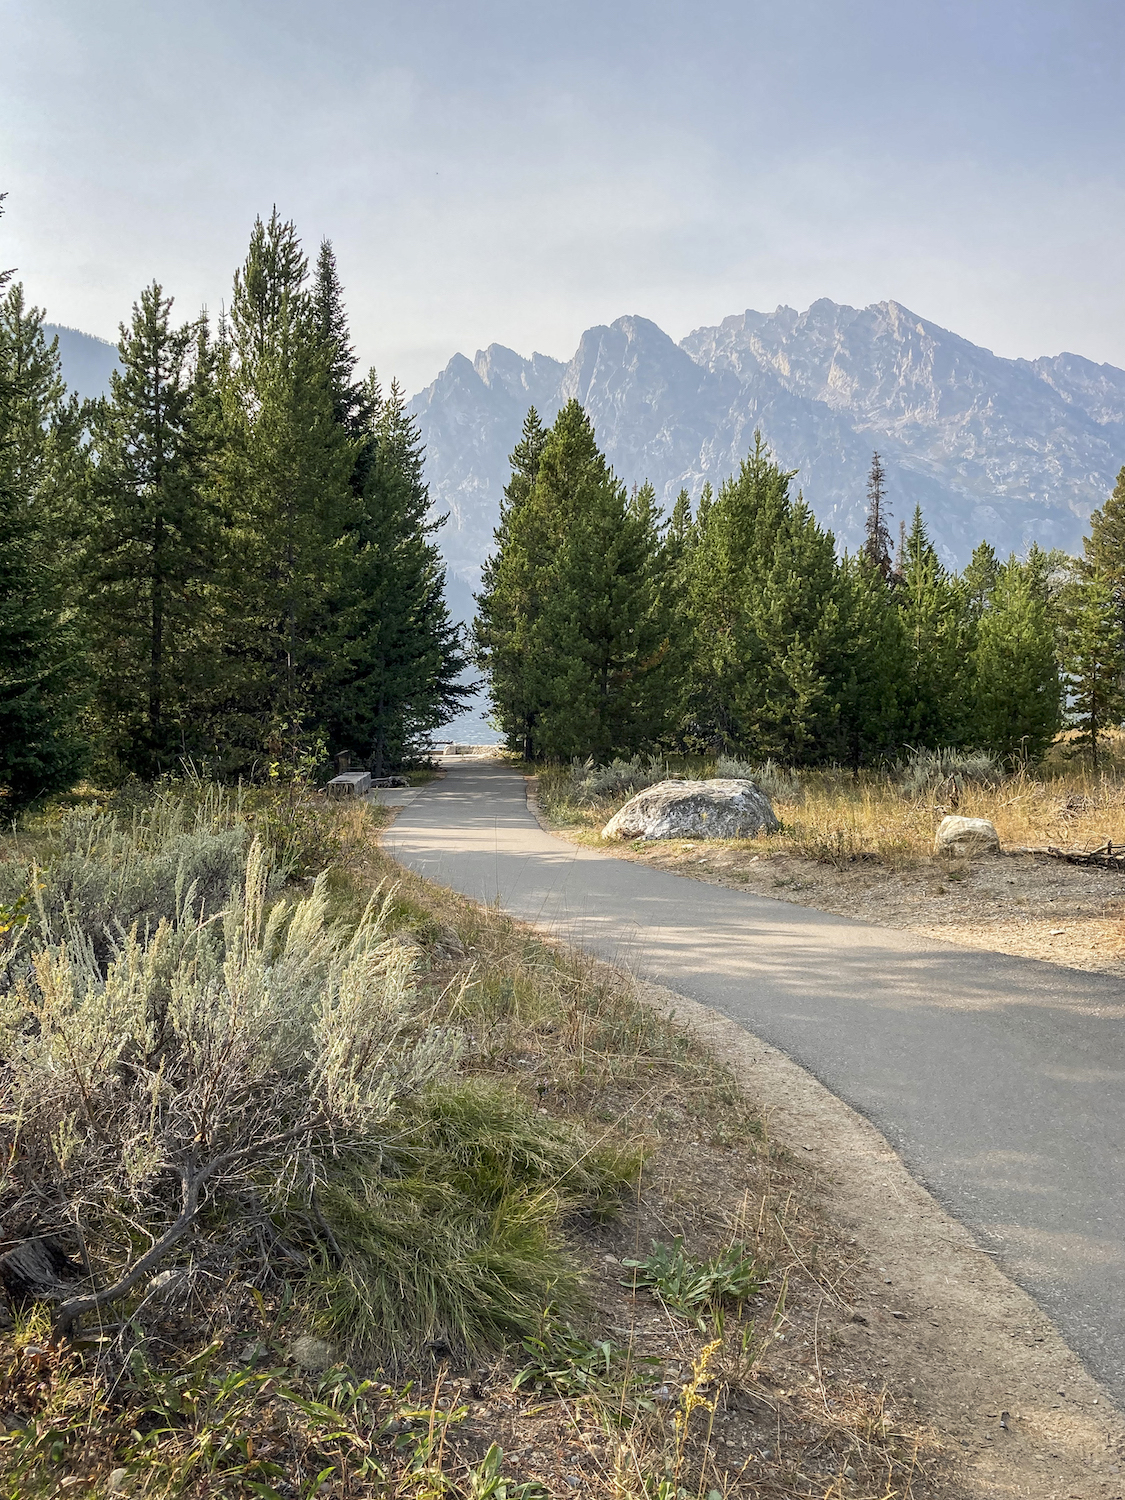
(566, 1364)
(487, 1482)
(694, 1287)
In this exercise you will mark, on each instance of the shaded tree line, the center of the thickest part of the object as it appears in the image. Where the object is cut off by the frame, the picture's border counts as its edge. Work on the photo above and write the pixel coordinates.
(608, 628)
(229, 557)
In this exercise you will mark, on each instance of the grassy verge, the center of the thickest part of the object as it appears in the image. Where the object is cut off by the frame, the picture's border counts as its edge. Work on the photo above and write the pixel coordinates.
(887, 816)
(563, 1258)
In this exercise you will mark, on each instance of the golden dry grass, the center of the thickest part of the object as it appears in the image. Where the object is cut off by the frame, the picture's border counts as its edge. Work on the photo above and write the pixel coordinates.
(837, 817)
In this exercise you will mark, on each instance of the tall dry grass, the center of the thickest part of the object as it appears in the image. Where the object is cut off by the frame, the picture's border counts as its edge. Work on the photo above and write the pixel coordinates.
(835, 817)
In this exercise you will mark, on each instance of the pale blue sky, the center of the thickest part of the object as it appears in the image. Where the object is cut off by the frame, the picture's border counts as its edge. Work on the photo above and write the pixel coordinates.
(517, 172)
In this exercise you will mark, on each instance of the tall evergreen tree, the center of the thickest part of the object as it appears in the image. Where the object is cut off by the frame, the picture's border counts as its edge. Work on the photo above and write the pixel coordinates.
(41, 750)
(285, 480)
(870, 666)
(511, 598)
(1104, 548)
(150, 548)
(936, 689)
(674, 566)
(602, 642)
(1015, 671)
(1094, 662)
(330, 321)
(878, 543)
(571, 621)
(980, 578)
(401, 656)
(766, 617)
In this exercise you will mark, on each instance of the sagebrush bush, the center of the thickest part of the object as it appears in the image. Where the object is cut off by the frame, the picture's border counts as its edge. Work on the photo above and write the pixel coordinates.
(930, 770)
(218, 1053)
(193, 1052)
(593, 783)
(103, 873)
(778, 782)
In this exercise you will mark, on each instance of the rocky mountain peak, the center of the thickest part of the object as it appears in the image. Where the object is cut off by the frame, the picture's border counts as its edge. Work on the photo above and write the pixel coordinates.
(1008, 449)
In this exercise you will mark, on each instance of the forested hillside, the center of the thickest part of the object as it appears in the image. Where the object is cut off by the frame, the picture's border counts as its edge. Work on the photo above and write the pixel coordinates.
(608, 628)
(227, 557)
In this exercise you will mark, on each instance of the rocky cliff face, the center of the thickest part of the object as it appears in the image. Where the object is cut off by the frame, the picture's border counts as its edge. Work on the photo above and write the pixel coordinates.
(1010, 450)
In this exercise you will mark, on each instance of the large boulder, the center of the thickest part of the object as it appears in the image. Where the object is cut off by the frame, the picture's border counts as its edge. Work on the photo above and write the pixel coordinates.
(966, 836)
(694, 810)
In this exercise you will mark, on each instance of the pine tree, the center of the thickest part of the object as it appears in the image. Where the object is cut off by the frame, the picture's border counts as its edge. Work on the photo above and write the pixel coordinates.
(936, 687)
(1104, 548)
(870, 665)
(980, 578)
(330, 320)
(878, 543)
(150, 547)
(401, 657)
(510, 601)
(1016, 677)
(674, 567)
(41, 750)
(602, 640)
(737, 529)
(285, 479)
(1094, 662)
(766, 617)
(571, 623)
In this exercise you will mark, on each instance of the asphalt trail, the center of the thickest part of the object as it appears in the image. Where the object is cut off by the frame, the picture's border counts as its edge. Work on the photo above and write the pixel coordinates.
(1000, 1081)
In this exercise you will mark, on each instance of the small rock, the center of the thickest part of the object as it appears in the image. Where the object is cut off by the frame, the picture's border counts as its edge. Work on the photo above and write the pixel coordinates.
(966, 836)
(117, 1481)
(164, 1283)
(312, 1354)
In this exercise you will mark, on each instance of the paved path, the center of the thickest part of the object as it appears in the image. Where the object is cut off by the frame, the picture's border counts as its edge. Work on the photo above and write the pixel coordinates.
(999, 1080)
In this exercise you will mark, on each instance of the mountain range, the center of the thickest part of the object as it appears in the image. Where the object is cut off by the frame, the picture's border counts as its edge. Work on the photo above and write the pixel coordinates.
(1008, 450)
(1011, 450)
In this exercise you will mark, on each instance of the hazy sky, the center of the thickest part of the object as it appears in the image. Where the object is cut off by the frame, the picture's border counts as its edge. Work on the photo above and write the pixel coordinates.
(517, 172)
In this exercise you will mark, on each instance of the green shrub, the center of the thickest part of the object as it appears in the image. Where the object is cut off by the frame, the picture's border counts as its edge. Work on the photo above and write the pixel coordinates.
(211, 1061)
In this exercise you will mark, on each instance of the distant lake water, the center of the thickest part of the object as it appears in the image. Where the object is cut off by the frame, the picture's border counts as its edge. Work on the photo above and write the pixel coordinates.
(471, 726)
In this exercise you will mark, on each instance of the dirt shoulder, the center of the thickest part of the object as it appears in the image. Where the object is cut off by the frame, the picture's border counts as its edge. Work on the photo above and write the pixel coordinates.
(927, 1311)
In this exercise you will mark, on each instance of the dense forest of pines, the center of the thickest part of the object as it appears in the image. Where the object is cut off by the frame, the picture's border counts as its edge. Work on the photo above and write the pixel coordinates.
(608, 629)
(227, 559)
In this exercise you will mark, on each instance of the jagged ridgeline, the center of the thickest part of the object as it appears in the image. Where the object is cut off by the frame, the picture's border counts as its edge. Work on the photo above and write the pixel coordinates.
(607, 628)
(1012, 450)
(226, 555)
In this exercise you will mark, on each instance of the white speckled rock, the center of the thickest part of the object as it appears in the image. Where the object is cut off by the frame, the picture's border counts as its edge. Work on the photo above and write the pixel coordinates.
(966, 836)
(719, 809)
(312, 1354)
